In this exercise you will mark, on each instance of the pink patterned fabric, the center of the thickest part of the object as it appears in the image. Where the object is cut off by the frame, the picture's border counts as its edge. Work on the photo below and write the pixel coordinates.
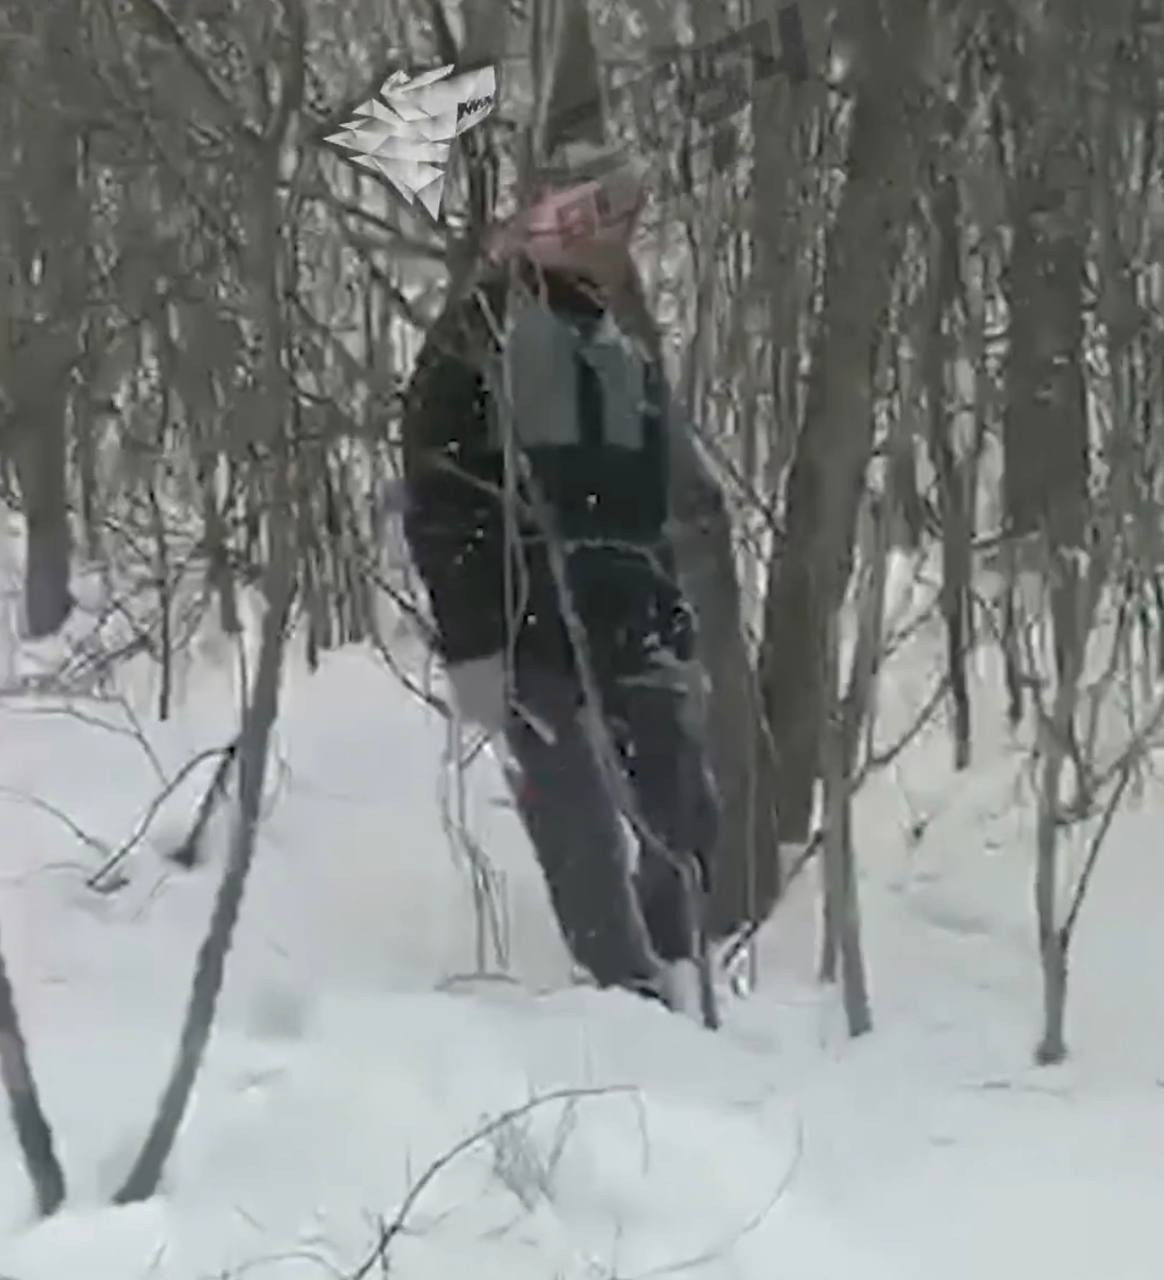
(564, 226)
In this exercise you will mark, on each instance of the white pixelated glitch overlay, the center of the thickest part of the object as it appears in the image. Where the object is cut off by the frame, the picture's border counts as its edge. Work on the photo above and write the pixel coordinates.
(406, 132)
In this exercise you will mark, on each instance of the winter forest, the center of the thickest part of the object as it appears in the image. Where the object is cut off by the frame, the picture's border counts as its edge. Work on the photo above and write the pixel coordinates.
(285, 988)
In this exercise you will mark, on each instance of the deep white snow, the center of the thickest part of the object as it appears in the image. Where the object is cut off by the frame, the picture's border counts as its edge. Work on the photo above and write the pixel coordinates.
(343, 1061)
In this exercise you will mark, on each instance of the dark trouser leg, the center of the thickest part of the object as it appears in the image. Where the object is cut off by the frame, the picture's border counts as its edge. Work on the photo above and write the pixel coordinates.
(574, 826)
(676, 799)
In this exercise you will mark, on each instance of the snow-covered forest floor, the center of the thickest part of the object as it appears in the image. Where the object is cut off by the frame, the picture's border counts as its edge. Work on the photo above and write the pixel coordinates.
(344, 1062)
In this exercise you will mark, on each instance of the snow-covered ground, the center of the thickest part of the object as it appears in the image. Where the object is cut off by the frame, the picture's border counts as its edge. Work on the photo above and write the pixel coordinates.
(344, 1062)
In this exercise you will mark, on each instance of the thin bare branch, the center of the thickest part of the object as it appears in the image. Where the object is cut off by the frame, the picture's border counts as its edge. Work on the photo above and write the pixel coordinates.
(396, 1227)
(93, 842)
(157, 20)
(719, 1252)
(294, 74)
(95, 881)
(1097, 842)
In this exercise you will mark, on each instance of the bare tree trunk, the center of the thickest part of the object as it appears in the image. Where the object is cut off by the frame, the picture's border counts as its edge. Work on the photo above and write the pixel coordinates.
(833, 760)
(747, 876)
(260, 716)
(46, 299)
(841, 939)
(220, 574)
(33, 1132)
(188, 854)
(1045, 434)
(1052, 1047)
(909, 525)
(1010, 640)
(808, 580)
(1047, 415)
(88, 409)
(165, 605)
(1055, 741)
(846, 715)
(40, 457)
(1045, 425)
(953, 499)
(145, 1177)
(86, 424)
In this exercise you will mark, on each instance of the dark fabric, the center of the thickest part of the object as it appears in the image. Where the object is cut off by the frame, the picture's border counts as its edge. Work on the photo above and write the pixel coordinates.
(574, 828)
(610, 507)
(609, 503)
(453, 528)
(664, 762)
(615, 925)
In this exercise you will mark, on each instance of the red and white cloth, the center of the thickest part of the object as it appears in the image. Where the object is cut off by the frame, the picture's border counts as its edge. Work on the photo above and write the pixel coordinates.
(577, 222)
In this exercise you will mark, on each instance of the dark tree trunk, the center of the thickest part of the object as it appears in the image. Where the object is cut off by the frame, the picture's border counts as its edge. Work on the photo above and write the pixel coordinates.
(809, 577)
(954, 501)
(33, 1133)
(1045, 427)
(1045, 442)
(40, 457)
(748, 878)
(748, 875)
(45, 300)
(1045, 445)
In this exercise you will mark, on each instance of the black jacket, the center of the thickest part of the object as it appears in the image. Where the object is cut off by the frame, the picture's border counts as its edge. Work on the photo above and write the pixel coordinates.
(609, 502)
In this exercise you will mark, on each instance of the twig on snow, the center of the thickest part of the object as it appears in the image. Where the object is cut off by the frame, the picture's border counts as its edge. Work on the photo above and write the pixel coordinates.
(93, 842)
(388, 1233)
(143, 826)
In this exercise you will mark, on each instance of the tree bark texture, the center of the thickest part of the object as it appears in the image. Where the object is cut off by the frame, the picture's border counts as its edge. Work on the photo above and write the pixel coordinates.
(809, 575)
